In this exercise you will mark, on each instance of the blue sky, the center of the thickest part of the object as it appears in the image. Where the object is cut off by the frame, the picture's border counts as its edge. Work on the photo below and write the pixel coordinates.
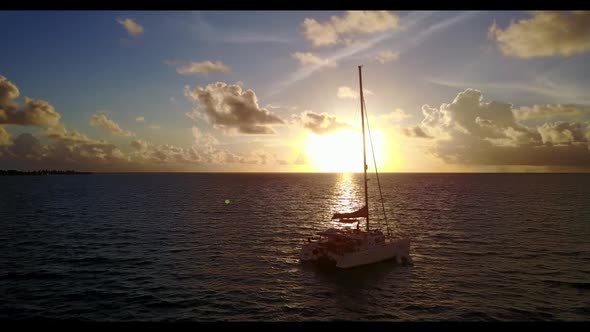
(88, 63)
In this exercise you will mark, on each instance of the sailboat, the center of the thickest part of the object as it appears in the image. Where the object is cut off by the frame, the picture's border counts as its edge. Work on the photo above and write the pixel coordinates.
(346, 248)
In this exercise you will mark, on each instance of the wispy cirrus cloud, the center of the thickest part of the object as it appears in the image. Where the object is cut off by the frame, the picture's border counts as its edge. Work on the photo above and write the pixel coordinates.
(204, 67)
(347, 92)
(386, 56)
(559, 94)
(207, 31)
(308, 58)
(407, 27)
(551, 111)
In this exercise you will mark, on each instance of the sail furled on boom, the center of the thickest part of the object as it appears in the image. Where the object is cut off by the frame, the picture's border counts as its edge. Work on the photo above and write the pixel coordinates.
(362, 212)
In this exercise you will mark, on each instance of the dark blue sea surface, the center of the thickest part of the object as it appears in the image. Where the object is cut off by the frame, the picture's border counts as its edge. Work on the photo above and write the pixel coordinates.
(167, 247)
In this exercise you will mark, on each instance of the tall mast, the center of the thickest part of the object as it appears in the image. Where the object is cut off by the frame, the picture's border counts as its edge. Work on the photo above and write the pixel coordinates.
(364, 148)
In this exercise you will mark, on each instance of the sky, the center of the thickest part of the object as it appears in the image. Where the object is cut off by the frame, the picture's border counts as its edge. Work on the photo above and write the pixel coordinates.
(278, 91)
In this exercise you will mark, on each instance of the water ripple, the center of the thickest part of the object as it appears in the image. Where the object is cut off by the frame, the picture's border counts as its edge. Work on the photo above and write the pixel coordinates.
(166, 247)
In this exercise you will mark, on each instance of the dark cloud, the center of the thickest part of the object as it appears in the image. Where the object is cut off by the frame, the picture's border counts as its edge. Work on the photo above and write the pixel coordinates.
(230, 108)
(320, 123)
(481, 152)
(415, 131)
(65, 150)
(27, 146)
(470, 131)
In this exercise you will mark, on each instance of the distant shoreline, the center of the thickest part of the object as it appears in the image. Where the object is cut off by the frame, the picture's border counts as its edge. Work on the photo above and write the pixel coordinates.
(11, 172)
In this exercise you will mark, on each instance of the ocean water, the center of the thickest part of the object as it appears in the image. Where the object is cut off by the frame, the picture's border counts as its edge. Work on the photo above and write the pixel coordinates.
(167, 247)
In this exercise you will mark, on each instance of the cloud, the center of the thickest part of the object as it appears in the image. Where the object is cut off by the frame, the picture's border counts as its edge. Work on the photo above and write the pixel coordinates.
(66, 150)
(203, 139)
(342, 29)
(346, 92)
(386, 56)
(26, 145)
(4, 137)
(205, 150)
(470, 131)
(108, 125)
(550, 111)
(140, 119)
(415, 131)
(133, 29)
(203, 68)
(72, 150)
(309, 59)
(411, 20)
(546, 33)
(232, 109)
(224, 34)
(60, 134)
(166, 153)
(564, 132)
(398, 115)
(33, 113)
(559, 92)
(138, 145)
(8, 92)
(77, 151)
(320, 123)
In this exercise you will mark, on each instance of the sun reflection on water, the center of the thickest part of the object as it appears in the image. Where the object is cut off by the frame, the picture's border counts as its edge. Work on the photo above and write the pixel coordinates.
(347, 197)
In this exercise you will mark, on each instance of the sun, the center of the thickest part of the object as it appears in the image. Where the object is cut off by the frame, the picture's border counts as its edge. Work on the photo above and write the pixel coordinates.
(342, 151)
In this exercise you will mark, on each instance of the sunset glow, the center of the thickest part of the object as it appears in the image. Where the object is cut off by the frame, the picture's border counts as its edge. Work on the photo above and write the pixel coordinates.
(230, 91)
(338, 152)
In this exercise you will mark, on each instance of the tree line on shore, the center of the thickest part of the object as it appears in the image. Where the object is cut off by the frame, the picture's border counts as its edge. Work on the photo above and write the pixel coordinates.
(40, 172)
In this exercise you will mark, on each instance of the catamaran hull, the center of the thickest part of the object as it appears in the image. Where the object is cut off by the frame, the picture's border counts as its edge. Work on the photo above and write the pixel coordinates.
(398, 250)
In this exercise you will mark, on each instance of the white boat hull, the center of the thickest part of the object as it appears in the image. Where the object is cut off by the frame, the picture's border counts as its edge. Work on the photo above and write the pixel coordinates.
(398, 250)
